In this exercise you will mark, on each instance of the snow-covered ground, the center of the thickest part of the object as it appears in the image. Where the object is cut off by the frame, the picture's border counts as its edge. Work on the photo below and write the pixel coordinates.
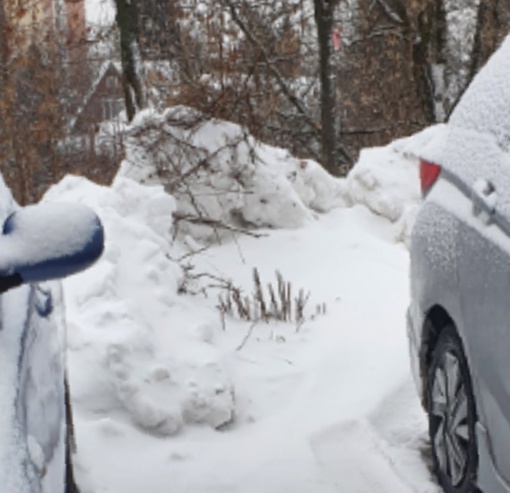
(167, 397)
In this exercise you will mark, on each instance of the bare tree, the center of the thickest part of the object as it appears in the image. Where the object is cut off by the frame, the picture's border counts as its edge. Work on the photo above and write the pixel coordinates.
(492, 25)
(32, 124)
(128, 22)
(4, 53)
(33, 103)
(324, 19)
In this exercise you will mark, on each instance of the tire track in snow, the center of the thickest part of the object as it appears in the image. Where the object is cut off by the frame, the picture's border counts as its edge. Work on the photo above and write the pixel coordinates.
(391, 443)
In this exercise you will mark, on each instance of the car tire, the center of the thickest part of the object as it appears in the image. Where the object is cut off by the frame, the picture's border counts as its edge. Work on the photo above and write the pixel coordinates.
(452, 415)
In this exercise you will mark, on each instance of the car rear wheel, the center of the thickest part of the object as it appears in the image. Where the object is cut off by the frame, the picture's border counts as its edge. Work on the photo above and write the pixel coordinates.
(452, 415)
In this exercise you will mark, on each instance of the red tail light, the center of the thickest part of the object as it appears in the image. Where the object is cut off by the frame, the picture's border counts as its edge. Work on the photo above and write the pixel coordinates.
(428, 175)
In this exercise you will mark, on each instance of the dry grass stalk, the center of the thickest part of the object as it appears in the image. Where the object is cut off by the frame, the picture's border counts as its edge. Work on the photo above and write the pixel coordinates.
(274, 303)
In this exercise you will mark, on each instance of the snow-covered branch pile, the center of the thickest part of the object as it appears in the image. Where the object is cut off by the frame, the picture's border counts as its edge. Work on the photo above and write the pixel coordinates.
(217, 171)
(219, 174)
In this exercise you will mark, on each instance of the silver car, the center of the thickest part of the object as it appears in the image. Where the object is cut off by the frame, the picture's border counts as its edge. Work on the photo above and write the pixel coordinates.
(38, 244)
(459, 316)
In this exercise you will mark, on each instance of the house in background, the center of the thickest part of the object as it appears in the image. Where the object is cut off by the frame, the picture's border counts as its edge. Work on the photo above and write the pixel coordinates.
(86, 155)
(104, 101)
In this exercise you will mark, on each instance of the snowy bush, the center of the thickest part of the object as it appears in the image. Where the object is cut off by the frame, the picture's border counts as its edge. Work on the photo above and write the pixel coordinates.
(218, 172)
(224, 180)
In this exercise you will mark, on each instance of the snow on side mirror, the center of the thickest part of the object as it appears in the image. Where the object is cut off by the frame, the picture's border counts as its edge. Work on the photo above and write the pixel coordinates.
(48, 241)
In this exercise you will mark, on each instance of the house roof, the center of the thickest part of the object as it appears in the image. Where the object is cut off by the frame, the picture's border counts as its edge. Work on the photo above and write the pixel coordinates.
(105, 67)
(165, 69)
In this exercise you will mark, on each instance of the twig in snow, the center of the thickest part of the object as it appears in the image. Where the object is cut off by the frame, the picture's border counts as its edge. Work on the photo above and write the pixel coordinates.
(206, 221)
(247, 336)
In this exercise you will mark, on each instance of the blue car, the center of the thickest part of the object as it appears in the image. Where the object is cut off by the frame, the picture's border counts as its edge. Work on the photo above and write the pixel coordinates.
(38, 243)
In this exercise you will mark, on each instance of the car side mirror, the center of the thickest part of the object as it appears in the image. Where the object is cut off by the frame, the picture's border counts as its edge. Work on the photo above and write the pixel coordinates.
(48, 241)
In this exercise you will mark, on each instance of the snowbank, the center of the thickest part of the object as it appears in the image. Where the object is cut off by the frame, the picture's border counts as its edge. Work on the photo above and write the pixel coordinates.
(133, 353)
(138, 349)
(322, 406)
(386, 180)
(215, 169)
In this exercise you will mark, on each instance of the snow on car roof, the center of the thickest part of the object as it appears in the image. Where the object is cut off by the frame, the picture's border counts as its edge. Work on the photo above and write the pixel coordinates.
(485, 106)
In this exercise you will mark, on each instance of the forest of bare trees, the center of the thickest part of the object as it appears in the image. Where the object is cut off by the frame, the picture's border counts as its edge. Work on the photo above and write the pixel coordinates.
(323, 78)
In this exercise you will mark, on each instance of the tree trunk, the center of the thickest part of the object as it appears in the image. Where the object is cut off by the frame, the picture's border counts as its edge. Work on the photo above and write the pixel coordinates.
(324, 19)
(4, 46)
(429, 58)
(493, 23)
(128, 18)
(383, 82)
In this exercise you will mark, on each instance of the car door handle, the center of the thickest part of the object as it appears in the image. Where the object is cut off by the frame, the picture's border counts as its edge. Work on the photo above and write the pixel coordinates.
(484, 198)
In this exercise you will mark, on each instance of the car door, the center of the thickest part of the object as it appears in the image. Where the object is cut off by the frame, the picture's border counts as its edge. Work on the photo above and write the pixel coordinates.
(32, 402)
(32, 418)
(37, 244)
(475, 156)
(40, 400)
(484, 280)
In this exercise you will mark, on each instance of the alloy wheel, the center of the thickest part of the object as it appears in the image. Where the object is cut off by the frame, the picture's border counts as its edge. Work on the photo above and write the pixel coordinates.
(450, 408)
(452, 415)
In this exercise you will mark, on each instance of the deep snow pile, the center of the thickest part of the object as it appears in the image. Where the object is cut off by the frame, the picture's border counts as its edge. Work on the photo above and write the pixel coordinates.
(325, 407)
(228, 175)
(232, 178)
(127, 350)
(165, 397)
(385, 179)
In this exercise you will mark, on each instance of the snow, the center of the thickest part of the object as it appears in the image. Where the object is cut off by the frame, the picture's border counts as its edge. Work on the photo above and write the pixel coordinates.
(484, 192)
(474, 146)
(12, 475)
(153, 385)
(243, 182)
(167, 397)
(385, 179)
(237, 180)
(483, 106)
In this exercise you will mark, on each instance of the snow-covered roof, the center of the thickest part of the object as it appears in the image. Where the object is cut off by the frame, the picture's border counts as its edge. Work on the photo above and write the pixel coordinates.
(93, 88)
(162, 68)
